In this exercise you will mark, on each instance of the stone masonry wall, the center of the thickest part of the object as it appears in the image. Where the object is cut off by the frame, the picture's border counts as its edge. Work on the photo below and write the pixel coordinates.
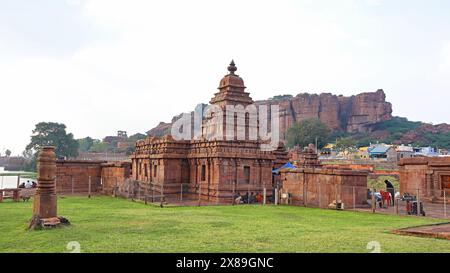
(320, 187)
(73, 176)
(114, 175)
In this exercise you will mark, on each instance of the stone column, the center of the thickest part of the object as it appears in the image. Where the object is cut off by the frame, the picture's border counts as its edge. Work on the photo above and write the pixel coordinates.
(436, 186)
(45, 199)
(44, 204)
(429, 185)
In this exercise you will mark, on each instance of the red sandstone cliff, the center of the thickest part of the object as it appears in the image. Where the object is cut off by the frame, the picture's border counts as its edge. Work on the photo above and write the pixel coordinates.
(352, 114)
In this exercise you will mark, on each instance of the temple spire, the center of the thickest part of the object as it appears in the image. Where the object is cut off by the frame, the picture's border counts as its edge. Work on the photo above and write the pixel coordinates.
(231, 89)
(232, 68)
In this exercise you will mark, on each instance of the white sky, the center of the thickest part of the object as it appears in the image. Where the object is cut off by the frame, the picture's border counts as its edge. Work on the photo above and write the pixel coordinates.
(100, 66)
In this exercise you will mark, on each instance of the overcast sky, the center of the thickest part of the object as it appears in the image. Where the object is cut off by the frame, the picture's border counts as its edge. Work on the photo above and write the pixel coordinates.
(100, 66)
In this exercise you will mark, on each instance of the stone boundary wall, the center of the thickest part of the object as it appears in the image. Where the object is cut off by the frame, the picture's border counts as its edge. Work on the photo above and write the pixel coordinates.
(373, 173)
(360, 164)
(109, 157)
(362, 167)
(114, 176)
(428, 175)
(73, 176)
(320, 187)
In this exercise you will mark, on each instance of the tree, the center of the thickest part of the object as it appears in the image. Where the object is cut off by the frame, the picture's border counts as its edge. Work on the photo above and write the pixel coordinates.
(85, 144)
(137, 137)
(99, 147)
(53, 134)
(8, 153)
(305, 132)
(130, 150)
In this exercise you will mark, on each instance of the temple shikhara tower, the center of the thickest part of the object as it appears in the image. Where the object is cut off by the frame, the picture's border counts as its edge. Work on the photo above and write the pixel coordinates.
(226, 156)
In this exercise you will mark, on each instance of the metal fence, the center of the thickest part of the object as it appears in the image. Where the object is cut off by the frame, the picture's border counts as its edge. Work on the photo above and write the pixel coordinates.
(358, 198)
(324, 194)
(417, 203)
(187, 194)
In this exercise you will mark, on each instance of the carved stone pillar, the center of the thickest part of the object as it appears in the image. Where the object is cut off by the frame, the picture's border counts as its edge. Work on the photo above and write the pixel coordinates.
(44, 206)
(429, 185)
(45, 199)
(436, 185)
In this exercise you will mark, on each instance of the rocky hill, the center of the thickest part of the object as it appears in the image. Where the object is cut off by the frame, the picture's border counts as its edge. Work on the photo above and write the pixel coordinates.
(354, 114)
(400, 130)
(163, 128)
(365, 117)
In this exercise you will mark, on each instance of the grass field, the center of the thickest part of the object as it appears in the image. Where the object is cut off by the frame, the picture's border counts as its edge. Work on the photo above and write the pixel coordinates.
(105, 224)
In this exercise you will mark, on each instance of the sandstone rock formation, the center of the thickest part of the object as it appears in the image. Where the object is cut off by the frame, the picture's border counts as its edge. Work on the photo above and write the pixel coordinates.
(163, 128)
(352, 114)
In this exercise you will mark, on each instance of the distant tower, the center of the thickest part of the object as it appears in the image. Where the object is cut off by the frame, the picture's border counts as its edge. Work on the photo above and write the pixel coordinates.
(122, 134)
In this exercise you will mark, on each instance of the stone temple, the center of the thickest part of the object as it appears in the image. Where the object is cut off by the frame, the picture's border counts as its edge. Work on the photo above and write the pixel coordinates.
(213, 168)
(215, 153)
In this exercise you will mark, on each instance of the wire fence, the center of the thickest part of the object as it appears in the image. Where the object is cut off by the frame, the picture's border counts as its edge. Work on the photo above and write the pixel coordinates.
(324, 194)
(190, 194)
(331, 195)
(417, 203)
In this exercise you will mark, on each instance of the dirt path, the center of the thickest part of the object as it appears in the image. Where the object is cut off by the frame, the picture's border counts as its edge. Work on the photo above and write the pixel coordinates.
(440, 231)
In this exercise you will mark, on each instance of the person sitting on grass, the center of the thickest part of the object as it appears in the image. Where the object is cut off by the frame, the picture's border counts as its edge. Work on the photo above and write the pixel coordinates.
(245, 198)
(377, 198)
(259, 198)
(252, 198)
(237, 198)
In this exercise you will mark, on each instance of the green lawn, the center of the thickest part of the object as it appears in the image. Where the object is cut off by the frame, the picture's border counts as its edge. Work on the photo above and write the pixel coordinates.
(105, 224)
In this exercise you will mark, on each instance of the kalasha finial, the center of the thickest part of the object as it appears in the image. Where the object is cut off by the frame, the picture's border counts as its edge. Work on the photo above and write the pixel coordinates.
(232, 67)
